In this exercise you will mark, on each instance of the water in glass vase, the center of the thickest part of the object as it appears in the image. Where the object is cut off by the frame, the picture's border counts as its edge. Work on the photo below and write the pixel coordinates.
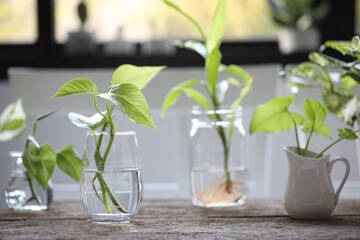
(19, 195)
(120, 201)
(210, 188)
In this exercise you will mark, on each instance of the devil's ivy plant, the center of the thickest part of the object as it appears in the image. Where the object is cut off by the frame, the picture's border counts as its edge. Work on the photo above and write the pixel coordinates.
(39, 160)
(274, 116)
(124, 94)
(336, 89)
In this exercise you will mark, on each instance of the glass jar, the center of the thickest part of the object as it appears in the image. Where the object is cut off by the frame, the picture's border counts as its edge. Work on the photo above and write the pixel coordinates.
(218, 154)
(111, 181)
(23, 192)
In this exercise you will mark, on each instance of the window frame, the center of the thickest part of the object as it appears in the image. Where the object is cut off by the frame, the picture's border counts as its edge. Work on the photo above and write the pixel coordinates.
(340, 25)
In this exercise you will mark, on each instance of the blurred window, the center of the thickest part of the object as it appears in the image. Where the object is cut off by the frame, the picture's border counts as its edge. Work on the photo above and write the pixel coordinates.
(142, 20)
(18, 22)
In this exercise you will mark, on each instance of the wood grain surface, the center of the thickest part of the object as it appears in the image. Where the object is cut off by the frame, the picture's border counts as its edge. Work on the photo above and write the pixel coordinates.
(179, 219)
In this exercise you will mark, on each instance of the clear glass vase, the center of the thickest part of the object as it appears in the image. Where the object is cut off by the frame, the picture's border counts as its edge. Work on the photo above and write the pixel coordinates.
(218, 158)
(111, 181)
(23, 193)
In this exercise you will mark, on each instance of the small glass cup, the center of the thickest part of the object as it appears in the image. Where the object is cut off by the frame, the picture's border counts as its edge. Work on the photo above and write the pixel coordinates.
(111, 181)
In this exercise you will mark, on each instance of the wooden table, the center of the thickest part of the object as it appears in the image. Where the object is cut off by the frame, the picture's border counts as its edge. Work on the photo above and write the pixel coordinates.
(179, 219)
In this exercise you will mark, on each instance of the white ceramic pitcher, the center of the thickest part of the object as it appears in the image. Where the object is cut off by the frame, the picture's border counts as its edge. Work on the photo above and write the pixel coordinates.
(309, 192)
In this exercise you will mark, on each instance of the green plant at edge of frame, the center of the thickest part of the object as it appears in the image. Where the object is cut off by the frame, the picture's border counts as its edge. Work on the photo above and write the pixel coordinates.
(338, 98)
(39, 161)
(274, 116)
(209, 49)
(125, 94)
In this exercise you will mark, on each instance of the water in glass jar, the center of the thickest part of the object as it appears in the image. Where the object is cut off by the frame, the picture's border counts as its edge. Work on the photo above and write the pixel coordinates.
(19, 196)
(209, 187)
(125, 187)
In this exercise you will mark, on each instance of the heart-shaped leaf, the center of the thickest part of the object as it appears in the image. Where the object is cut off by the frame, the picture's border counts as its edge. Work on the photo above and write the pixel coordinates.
(40, 162)
(313, 110)
(347, 133)
(138, 76)
(319, 128)
(174, 94)
(12, 121)
(130, 101)
(93, 122)
(274, 116)
(77, 86)
(69, 162)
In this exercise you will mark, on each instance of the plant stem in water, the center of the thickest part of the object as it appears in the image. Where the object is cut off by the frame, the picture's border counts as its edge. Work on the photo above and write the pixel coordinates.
(32, 189)
(103, 191)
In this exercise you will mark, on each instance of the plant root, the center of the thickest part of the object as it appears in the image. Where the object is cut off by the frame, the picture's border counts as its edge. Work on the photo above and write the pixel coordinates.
(218, 192)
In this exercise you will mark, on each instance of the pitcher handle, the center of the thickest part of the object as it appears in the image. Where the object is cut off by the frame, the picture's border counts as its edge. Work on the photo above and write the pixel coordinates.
(346, 175)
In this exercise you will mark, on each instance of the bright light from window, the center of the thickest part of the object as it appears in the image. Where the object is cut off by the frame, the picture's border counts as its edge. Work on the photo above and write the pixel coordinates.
(18, 22)
(142, 20)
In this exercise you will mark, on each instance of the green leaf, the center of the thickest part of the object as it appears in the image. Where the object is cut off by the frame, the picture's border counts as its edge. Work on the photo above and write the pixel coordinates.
(272, 116)
(40, 162)
(313, 110)
(324, 60)
(194, 46)
(217, 27)
(319, 128)
(350, 135)
(69, 162)
(237, 71)
(138, 76)
(348, 82)
(174, 94)
(12, 121)
(353, 74)
(233, 81)
(312, 72)
(130, 101)
(212, 64)
(344, 47)
(77, 86)
(93, 122)
(197, 97)
(12, 125)
(243, 92)
(197, 25)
